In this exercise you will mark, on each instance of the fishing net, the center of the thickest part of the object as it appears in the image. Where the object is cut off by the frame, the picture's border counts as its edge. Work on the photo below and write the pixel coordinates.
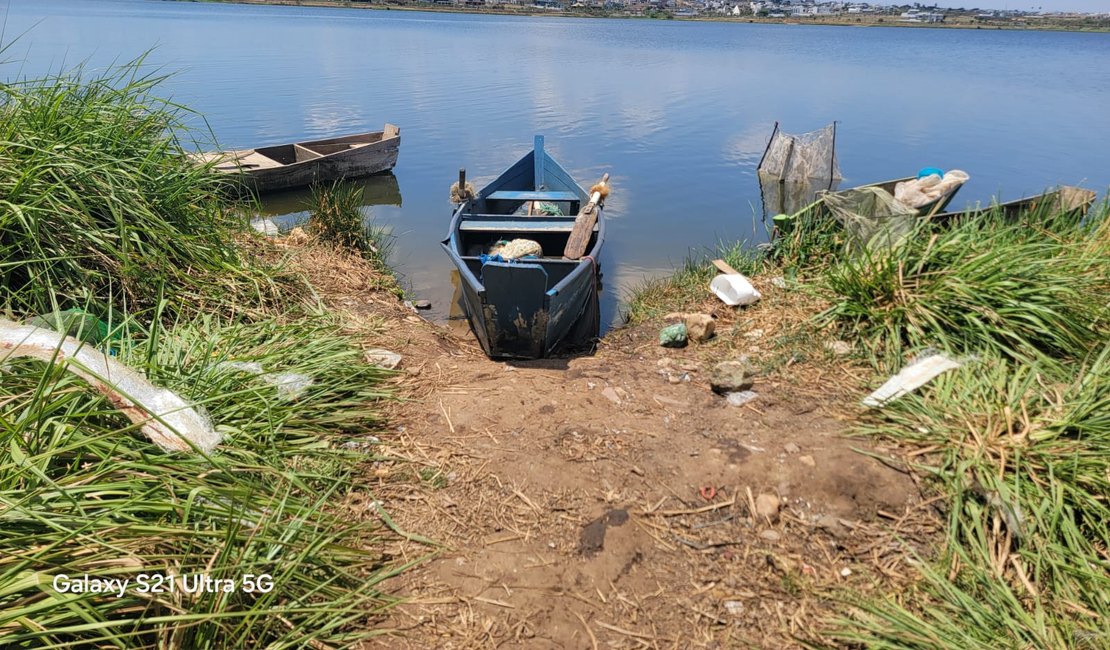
(795, 167)
(872, 216)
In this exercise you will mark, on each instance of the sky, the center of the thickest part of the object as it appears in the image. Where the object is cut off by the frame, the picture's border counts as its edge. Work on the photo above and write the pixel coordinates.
(1092, 6)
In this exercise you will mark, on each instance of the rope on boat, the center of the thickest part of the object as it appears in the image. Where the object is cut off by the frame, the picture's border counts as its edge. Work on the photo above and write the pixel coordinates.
(458, 198)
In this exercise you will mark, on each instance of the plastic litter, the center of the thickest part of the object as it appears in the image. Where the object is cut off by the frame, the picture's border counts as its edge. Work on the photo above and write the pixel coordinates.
(384, 358)
(265, 226)
(74, 322)
(168, 420)
(289, 385)
(929, 188)
(741, 397)
(734, 289)
(910, 378)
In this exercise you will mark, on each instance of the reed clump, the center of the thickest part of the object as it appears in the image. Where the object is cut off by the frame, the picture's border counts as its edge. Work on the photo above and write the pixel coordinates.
(107, 218)
(102, 207)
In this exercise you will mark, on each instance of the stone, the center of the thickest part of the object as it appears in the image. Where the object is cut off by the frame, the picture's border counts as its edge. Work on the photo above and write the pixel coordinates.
(791, 448)
(807, 460)
(754, 334)
(611, 395)
(741, 398)
(831, 525)
(383, 358)
(839, 348)
(297, 237)
(845, 572)
(700, 327)
(422, 304)
(770, 535)
(673, 336)
(768, 505)
(734, 607)
(778, 282)
(732, 376)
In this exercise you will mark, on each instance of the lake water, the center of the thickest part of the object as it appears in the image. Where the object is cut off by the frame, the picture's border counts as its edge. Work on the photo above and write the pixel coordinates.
(678, 112)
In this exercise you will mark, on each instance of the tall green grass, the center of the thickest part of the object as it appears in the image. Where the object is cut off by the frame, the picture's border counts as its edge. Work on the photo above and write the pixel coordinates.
(1025, 458)
(82, 492)
(102, 210)
(104, 213)
(1026, 289)
(1022, 431)
(336, 218)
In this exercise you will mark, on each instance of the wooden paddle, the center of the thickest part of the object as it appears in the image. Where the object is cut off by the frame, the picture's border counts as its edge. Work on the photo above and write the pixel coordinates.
(585, 221)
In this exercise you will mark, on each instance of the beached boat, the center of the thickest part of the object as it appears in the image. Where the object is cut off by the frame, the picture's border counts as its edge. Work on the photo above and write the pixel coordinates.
(283, 166)
(539, 305)
(819, 210)
(1062, 200)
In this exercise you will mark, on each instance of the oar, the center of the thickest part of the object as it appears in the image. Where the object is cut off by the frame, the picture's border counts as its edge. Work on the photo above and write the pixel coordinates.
(585, 221)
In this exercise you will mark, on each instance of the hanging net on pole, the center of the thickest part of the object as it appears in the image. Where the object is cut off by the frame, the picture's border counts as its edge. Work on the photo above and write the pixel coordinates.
(795, 167)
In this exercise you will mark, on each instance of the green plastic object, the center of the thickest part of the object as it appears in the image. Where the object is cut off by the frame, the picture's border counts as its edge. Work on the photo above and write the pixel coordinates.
(673, 336)
(784, 222)
(74, 322)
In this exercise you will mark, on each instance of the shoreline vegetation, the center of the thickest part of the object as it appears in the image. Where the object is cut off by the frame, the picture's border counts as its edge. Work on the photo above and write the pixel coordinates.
(106, 221)
(1066, 23)
(1014, 445)
(105, 216)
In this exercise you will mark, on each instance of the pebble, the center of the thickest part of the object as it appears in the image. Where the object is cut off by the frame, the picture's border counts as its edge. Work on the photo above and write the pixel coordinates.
(732, 376)
(845, 572)
(734, 607)
(700, 327)
(831, 525)
(754, 334)
(767, 505)
(611, 395)
(791, 448)
(771, 535)
(839, 348)
(422, 304)
(778, 282)
(807, 460)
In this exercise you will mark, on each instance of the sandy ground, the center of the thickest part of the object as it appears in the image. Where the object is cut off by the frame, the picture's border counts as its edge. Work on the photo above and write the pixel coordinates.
(614, 500)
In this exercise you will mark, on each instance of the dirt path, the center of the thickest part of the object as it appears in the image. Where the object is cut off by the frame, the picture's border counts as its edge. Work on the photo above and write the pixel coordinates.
(616, 501)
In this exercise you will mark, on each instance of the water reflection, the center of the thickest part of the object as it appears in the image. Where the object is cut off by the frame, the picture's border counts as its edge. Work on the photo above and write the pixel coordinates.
(290, 207)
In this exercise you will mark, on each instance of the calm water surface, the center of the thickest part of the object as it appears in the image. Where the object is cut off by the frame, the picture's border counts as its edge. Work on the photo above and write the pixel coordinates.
(678, 112)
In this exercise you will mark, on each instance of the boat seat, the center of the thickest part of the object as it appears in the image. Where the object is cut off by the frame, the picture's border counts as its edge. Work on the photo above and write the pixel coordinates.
(508, 195)
(519, 225)
(250, 160)
(527, 260)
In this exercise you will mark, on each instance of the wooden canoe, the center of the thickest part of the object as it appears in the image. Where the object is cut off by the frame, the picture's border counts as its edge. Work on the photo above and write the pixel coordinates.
(284, 166)
(1062, 200)
(538, 306)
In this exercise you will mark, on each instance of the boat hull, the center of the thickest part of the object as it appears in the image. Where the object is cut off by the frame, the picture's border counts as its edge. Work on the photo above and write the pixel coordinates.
(280, 167)
(534, 307)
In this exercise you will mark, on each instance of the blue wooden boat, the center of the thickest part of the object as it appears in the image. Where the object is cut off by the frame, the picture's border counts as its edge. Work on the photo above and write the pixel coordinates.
(536, 306)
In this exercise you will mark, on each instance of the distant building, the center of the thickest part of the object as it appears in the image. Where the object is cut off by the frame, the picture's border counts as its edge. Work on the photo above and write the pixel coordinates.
(917, 16)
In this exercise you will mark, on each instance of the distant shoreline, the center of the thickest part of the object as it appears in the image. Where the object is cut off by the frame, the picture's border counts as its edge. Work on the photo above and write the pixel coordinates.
(833, 21)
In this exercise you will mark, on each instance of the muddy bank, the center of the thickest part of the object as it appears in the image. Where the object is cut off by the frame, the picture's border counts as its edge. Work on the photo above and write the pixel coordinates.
(616, 500)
